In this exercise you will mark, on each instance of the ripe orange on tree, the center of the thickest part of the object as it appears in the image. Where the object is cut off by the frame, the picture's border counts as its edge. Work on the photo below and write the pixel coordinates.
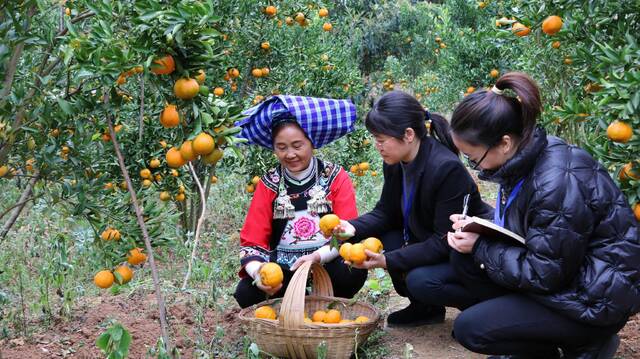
(327, 223)
(628, 172)
(214, 179)
(556, 44)
(169, 117)
(255, 180)
(165, 196)
(636, 211)
(233, 73)
(552, 25)
(265, 45)
(126, 274)
(300, 18)
(256, 73)
(270, 10)
(265, 71)
(288, 20)
(186, 151)
(619, 131)
(146, 183)
(520, 30)
(327, 26)
(364, 166)
(200, 77)
(154, 163)
(203, 144)
(323, 12)
(186, 88)
(164, 65)
(174, 158)
(145, 173)
(250, 188)
(213, 157)
(494, 73)
(271, 274)
(180, 197)
(568, 60)
(218, 91)
(136, 256)
(103, 279)
(265, 312)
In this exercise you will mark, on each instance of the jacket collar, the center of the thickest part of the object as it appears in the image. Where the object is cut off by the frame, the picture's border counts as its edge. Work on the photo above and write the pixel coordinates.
(520, 164)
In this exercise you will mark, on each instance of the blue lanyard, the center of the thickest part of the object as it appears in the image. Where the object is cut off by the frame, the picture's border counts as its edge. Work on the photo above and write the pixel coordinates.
(408, 202)
(498, 218)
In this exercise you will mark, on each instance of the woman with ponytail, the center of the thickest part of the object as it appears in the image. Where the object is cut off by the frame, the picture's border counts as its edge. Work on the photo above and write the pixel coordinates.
(576, 280)
(424, 183)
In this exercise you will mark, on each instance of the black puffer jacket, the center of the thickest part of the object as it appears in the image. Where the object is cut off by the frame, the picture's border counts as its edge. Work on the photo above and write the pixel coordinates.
(582, 254)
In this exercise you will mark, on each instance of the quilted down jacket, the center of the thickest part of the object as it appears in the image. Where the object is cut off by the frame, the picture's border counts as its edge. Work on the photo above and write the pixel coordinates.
(582, 252)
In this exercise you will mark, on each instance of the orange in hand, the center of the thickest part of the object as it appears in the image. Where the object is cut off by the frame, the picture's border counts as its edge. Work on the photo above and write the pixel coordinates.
(328, 223)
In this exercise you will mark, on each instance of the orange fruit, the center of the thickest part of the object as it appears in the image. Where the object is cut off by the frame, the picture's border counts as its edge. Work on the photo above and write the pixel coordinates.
(332, 317)
(200, 77)
(154, 163)
(163, 66)
(165, 196)
(470, 89)
(256, 73)
(374, 173)
(345, 321)
(145, 173)
(106, 137)
(213, 157)
(636, 211)
(4, 170)
(180, 197)
(556, 44)
(482, 4)
(345, 250)
(107, 234)
(568, 61)
(147, 183)
(327, 26)
(234, 73)
(361, 319)
(443, 45)
(327, 223)
(356, 254)
(214, 179)
(271, 274)
(520, 29)
(494, 73)
(123, 185)
(186, 151)
(364, 166)
(136, 256)
(300, 18)
(619, 131)
(354, 169)
(103, 279)
(552, 25)
(186, 88)
(126, 274)
(250, 188)
(628, 172)
(288, 20)
(270, 10)
(203, 144)
(121, 80)
(218, 91)
(265, 312)
(265, 45)
(318, 316)
(323, 12)
(174, 158)
(158, 177)
(255, 180)
(373, 244)
(169, 117)
(265, 71)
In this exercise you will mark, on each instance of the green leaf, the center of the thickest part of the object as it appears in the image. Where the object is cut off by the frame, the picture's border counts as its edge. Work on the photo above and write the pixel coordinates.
(65, 106)
(206, 118)
(103, 341)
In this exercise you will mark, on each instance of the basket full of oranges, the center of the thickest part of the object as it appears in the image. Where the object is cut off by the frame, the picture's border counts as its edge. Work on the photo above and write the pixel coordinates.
(283, 328)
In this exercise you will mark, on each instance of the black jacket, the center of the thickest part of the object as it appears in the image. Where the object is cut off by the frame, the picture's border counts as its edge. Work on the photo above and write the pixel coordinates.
(582, 254)
(441, 183)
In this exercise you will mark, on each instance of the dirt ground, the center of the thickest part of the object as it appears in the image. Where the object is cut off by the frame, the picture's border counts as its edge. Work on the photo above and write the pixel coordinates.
(76, 337)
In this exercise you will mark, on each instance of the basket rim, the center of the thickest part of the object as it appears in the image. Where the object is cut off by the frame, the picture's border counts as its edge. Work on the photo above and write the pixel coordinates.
(244, 314)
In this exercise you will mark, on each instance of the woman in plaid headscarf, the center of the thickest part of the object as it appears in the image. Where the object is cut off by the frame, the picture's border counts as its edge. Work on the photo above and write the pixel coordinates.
(282, 222)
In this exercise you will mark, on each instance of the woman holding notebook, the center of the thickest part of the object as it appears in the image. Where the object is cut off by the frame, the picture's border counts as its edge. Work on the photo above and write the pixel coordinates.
(424, 183)
(576, 280)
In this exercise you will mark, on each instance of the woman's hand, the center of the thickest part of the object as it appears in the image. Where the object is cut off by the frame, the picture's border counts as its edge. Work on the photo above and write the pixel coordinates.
(313, 258)
(459, 221)
(462, 242)
(269, 290)
(374, 260)
(344, 230)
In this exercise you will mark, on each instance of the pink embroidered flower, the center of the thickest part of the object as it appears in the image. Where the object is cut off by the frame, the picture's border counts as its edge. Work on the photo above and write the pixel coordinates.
(304, 227)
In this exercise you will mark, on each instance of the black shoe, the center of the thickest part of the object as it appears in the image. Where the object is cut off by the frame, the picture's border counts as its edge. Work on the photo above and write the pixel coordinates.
(416, 315)
(605, 349)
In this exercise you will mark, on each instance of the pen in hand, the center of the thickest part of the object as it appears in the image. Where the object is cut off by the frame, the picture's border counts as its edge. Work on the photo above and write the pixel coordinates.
(465, 208)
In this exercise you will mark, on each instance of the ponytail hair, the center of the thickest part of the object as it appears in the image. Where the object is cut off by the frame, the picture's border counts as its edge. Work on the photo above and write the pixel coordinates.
(396, 111)
(483, 117)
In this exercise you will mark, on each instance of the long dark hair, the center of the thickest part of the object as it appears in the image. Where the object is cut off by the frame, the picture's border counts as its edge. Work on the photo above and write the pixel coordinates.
(396, 111)
(483, 117)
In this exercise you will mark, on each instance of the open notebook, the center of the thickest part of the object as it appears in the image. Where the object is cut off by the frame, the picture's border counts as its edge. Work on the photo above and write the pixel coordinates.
(490, 229)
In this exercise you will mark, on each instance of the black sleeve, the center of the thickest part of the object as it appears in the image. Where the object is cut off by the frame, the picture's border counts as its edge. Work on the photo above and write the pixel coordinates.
(452, 184)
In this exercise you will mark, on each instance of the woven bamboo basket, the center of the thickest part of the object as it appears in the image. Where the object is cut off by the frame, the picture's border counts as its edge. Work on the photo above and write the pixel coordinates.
(290, 337)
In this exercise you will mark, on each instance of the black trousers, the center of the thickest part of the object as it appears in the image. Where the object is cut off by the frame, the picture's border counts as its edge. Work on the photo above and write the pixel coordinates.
(346, 283)
(502, 322)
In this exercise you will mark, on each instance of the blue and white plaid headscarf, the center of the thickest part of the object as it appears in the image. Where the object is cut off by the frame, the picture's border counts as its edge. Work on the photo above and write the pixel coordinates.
(323, 120)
